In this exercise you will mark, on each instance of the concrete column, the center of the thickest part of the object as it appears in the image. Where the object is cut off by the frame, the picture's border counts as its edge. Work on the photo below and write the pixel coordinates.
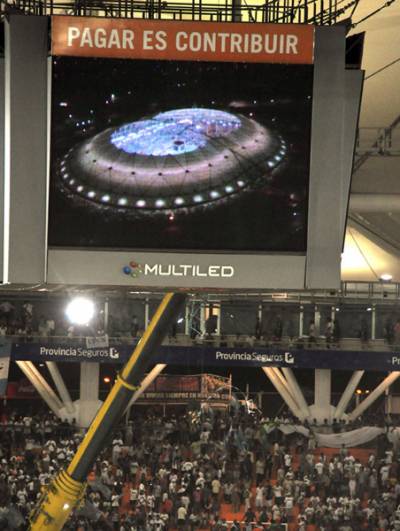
(41, 386)
(147, 380)
(317, 321)
(348, 394)
(285, 384)
(89, 393)
(202, 318)
(322, 394)
(283, 392)
(146, 314)
(301, 321)
(106, 309)
(376, 393)
(217, 309)
(292, 382)
(187, 319)
(60, 386)
(373, 322)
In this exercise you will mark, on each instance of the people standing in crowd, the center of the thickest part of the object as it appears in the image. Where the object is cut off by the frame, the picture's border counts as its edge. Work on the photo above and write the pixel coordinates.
(199, 470)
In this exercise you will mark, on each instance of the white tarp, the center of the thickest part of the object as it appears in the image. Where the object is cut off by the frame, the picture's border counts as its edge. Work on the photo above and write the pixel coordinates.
(349, 438)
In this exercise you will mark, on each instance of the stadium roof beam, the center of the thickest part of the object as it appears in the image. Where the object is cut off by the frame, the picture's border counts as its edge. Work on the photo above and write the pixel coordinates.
(292, 382)
(348, 394)
(60, 386)
(376, 393)
(41, 386)
(282, 390)
(147, 380)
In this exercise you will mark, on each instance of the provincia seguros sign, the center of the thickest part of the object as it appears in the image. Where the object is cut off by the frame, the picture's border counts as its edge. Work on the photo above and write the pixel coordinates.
(80, 353)
(200, 356)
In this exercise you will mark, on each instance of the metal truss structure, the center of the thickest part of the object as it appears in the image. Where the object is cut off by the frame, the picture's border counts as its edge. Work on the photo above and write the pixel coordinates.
(319, 12)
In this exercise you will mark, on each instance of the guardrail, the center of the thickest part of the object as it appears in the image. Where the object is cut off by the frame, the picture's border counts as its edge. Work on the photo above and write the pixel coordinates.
(219, 341)
(258, 526)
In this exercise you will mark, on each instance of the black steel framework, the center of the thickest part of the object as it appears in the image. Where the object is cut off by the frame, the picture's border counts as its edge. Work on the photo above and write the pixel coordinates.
(319, 12)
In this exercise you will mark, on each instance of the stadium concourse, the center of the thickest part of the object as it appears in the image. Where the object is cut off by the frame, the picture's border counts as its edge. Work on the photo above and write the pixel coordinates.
(205, 469)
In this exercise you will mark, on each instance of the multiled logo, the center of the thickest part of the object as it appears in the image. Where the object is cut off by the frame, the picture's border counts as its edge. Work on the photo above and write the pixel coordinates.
(183, 270)
(133, 269)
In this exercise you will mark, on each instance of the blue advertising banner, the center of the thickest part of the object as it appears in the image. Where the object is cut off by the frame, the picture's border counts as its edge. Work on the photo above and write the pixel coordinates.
(212, 356)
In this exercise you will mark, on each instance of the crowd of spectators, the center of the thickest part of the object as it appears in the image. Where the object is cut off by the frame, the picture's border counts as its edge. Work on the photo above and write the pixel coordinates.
(205, 469)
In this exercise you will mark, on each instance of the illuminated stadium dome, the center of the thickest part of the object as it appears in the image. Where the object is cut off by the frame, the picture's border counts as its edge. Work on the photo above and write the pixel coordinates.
(178, 159)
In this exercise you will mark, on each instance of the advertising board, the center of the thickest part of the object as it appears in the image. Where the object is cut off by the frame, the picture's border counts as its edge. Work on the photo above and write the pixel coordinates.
(163, 155)
(180, 137)
(205, 356)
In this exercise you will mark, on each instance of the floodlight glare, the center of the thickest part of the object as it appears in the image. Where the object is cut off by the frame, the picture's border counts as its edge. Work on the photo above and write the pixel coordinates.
(80, 311)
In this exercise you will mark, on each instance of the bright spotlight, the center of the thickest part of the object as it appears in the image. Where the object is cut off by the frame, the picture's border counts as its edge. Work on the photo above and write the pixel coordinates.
(80, 311)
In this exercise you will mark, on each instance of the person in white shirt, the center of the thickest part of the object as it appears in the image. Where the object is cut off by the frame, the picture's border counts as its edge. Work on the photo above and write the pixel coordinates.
(182, 512)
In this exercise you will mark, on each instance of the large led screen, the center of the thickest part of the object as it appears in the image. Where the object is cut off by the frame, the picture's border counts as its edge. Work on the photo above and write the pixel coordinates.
(179, 155)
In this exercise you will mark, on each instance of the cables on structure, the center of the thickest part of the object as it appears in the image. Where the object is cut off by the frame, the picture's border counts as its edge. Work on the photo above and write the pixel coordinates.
(382, 68)
(362, 254)
(384, 6)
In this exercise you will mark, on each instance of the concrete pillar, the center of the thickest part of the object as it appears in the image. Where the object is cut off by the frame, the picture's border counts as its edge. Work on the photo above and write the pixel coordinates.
(41, 386)
(301, 321)
(146, 314)
(283, 392)
(376, 393)
(60, 386)
(373, 322)
(106, 310)
(285, 384)
(202, 318)
(348, 394)
(89, 401)
(187, 319)
(292, 382)
(317, 321)
(147, 380)
(322, 394)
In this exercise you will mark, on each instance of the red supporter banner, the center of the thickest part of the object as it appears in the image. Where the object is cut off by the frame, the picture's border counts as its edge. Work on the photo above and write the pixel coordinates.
(182, 384)
(21, 389)
(182, 41)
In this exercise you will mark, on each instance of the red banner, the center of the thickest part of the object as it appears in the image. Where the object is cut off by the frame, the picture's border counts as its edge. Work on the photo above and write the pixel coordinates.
(182, 41)
(21, 389)
(178, 384)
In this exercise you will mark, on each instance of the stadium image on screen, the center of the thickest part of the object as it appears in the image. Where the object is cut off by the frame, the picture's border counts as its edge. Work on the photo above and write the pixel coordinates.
(179, 155)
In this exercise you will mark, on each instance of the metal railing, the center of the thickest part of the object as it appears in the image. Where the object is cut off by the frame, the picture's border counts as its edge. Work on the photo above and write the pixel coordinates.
(319, 12)
(376, 141)
(301, 342)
